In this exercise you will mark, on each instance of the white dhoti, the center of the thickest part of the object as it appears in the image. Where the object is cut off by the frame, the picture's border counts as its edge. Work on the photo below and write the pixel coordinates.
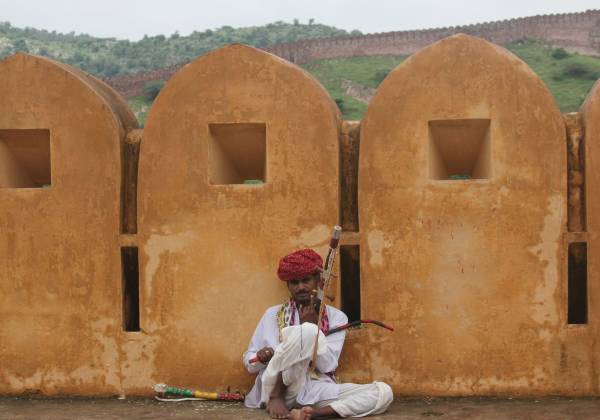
(359, 400)
(292, 358)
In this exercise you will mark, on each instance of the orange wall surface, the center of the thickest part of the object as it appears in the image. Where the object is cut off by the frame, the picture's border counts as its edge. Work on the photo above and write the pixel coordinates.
(59, 255)
(472, 273)
(209, 252)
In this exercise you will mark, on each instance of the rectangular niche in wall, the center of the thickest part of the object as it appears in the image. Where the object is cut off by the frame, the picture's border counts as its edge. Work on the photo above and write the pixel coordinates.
(577, 284)
(350, 284)
(130, 288)
(24, 158)
(459, 149)
(237, 153)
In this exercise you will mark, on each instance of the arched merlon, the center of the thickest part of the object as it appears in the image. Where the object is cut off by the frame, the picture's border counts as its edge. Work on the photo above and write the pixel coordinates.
(590, 115)
(61, 133)
(462, 209)
(207, 238)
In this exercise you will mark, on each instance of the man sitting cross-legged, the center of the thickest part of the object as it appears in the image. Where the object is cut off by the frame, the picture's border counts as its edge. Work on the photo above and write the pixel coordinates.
(284, 343)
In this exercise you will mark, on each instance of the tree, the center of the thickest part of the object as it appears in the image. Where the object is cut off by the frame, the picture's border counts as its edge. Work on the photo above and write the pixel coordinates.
(152, 89)
(105, 56)
(560, 53)
(20, 45)
(78, 57)
(380, 75)
(111, 68)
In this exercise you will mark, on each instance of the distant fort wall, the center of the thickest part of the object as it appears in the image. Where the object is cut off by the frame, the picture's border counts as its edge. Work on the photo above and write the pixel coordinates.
(133, 84)
(575, 32)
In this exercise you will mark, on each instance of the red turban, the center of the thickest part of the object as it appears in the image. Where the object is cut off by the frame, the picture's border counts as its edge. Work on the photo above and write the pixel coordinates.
(299, 264)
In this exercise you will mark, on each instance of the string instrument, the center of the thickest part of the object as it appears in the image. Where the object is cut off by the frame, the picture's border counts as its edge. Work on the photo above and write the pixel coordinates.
(350, 325)
(323, 287)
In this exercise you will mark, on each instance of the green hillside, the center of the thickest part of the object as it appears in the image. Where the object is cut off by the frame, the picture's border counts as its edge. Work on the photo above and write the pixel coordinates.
(364, 71)
(111, 56)
(568, 76)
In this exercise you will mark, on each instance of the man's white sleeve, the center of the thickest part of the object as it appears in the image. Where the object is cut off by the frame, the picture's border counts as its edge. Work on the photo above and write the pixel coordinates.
(256, 343)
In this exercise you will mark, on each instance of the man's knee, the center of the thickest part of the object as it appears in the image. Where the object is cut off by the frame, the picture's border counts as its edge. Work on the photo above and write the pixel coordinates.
(309, 330)
(386, 395)
(361, 400)
(306, 332)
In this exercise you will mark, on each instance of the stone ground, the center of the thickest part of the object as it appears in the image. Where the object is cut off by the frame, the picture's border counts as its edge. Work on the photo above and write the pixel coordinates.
(552, 408)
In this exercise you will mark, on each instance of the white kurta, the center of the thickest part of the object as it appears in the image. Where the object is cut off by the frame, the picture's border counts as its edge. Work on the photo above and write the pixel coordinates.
(314, 390)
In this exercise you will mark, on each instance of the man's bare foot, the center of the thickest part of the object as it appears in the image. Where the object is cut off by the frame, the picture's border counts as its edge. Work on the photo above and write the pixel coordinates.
(303, 413)
(277, 409)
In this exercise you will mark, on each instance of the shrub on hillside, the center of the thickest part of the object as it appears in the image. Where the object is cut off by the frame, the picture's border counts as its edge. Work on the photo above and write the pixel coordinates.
(581, 71)
(559, 53)
(380, 75)
(152, 89)
(20, 45)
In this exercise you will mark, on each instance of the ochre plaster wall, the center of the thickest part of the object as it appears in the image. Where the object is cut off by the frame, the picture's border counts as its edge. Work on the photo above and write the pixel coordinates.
(209, 253)
(471, 272)
(59, 255)
(11, 173)
(590, 113)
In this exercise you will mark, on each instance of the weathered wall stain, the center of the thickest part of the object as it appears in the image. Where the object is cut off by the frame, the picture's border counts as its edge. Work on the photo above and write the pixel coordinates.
(155, 247)
(377, 244)
(548, 252)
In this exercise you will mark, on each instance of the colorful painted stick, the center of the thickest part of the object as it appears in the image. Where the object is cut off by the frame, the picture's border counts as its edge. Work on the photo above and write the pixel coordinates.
(163, 390)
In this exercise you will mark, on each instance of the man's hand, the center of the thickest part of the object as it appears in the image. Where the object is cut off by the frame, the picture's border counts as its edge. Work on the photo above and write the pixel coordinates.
(265, 354)
(308, 313)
